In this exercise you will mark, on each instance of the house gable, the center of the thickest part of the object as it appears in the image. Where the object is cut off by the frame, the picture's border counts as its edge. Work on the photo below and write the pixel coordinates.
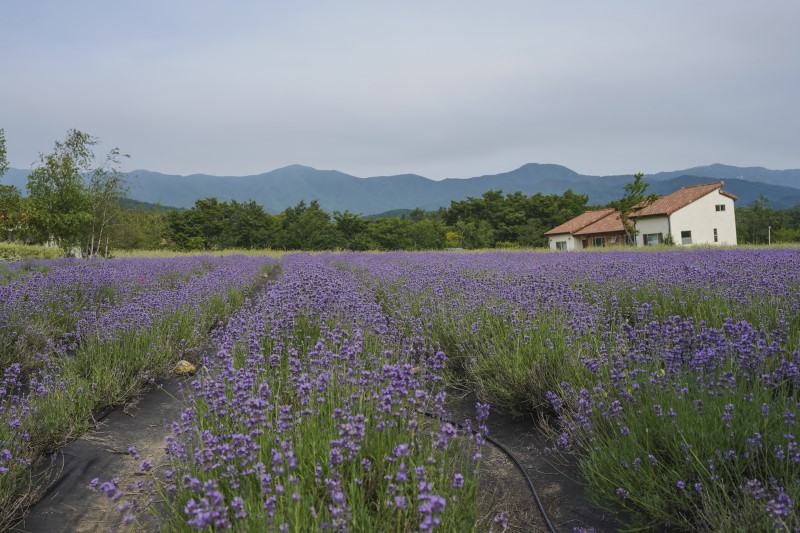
(708, 220)
(667, 205)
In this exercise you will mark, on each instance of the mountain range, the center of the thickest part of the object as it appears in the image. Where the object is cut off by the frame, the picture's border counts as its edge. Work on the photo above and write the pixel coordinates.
(337, 191)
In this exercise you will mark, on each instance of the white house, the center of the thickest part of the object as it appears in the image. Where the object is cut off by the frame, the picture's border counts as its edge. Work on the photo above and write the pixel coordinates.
(699, 214)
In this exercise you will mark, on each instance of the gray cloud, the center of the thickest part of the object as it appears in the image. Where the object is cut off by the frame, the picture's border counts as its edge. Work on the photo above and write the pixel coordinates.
(445, 89)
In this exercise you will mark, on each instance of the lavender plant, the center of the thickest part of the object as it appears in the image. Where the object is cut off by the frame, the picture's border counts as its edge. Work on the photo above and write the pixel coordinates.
(672, 375)
(79, 336)
(311, 417)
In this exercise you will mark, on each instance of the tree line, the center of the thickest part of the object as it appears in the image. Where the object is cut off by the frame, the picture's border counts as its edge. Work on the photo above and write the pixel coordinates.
(77, 201)
(759, 223)
(491, 220)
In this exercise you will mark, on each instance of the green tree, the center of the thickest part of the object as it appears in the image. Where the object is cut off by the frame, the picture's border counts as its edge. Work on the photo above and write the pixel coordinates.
(10, 197)
(107, 186)
(352, 227)
(513, 218)
(141, 229)
(427, 234)
(475, 234)
(59, 210)
(390, 234)
(10, 211)
(501, 214)
(307, 227)
(635, 195)
(201, 227)
(72, 202)
(248, 226)
(755, 222)
(417, 215)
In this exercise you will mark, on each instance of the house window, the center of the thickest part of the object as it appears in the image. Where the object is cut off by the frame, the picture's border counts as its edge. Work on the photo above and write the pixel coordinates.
(716, 237)
(720, 207)
(561, 245)
(613, 239)
(686, 237)
(652, 239)
(599, 241)
(585, 243)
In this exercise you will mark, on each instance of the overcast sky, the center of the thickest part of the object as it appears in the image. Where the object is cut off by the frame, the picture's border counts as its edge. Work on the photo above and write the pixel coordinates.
(437, 88)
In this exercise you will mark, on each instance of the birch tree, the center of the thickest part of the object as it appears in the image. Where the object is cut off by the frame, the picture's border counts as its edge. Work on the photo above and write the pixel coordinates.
(72, 201)
(106, 187)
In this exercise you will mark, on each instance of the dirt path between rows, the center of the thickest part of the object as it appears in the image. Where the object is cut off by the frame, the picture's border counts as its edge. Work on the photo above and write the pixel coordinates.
(555, 478)
(69, 504)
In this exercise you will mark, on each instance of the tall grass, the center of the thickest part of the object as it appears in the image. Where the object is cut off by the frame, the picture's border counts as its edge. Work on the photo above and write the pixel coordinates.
(22, 252)
(164, 253)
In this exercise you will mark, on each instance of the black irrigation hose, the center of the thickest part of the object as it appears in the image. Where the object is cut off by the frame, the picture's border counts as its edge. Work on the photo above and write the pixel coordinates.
(501, 447)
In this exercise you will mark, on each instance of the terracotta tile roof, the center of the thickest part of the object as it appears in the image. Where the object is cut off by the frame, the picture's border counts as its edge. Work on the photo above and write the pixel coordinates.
(611, 223)
(580, 221)
(666, 205)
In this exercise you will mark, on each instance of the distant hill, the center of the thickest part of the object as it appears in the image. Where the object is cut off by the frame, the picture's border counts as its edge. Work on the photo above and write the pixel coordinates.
(394, 213)
(15, 176)
(337, 191)
(786, 178)
(780, 197)
(127, 203)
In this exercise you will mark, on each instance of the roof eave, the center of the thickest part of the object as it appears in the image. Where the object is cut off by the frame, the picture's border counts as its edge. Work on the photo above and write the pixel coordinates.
(636, 215)
(729, 195)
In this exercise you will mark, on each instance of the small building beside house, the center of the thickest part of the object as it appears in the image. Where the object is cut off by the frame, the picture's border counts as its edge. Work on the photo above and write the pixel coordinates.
(699, 214)
(591, 229)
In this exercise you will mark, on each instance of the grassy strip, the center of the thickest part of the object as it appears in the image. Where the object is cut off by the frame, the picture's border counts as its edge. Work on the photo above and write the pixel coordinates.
(23, 252)
(164, 253)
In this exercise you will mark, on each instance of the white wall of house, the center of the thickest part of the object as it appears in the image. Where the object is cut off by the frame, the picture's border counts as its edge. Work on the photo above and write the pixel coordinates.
(651, 226)
(573, 243)
(702, 217)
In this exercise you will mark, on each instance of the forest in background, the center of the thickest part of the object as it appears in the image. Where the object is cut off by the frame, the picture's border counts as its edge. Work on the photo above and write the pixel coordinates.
(77, 202)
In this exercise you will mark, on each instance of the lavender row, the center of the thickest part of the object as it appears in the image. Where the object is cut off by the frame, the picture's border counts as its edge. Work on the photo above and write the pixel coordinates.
(56, 301)
(672, 376)
(86, 335)
(311, 416)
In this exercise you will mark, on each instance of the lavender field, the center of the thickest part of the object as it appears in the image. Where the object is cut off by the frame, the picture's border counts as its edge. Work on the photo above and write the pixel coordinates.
(77, 337)
(670, 377)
